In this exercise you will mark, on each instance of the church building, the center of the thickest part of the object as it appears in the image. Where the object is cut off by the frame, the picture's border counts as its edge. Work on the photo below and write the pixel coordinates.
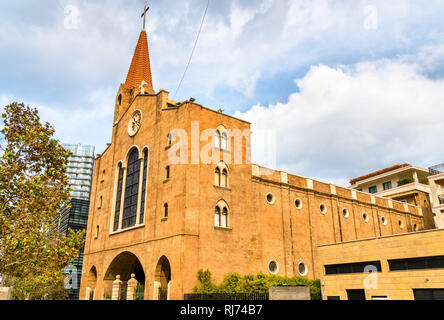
(175, 192)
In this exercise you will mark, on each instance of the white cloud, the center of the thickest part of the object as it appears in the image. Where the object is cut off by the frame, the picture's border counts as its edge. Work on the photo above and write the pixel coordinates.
(89, 124)
(348, 120)
(243, 42)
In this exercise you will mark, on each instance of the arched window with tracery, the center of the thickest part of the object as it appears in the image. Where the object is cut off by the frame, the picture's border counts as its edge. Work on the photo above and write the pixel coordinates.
(221, 175)
(118, 198)
(221, 213)
(217, 217)
(217, 177)
(224, 221)
(224, 182)
(142, 201)
(224, 143)
(131, 190)
(217, 139)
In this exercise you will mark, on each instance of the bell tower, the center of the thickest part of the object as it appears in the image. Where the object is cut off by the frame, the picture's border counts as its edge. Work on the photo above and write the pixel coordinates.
(138, 80)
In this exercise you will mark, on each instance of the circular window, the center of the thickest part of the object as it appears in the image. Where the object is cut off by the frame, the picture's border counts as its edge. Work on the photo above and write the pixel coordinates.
(270, 198)
(323, 208)
(302, 269)
(401, 224)
(298, 204)
(365, 217)
(384, 221)
(273, 267)
(345, 213)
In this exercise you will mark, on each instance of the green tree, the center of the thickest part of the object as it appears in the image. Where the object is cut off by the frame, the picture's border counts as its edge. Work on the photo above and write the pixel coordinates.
(33, 188)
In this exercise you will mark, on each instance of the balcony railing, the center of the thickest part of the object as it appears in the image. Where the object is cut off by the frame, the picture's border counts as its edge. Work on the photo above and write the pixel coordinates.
(438, 169)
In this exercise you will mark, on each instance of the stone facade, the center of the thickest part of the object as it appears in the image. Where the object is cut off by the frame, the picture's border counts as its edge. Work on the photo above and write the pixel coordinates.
(272, 216)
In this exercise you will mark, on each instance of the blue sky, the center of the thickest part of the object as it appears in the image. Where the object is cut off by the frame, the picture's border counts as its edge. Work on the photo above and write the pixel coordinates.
(346, 86)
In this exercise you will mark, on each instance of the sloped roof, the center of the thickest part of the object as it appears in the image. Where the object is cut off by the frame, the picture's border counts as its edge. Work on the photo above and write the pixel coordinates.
(140, 68)
(377, 173)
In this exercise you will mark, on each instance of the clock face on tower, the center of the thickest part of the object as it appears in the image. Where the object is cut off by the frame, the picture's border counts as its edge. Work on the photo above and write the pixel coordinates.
(134, 123)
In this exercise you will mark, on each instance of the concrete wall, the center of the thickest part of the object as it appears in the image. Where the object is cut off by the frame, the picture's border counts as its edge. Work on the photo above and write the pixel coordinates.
(289, 293)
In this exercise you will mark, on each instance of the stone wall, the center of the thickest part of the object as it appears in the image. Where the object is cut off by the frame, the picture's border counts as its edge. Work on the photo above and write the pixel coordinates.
(5, 293)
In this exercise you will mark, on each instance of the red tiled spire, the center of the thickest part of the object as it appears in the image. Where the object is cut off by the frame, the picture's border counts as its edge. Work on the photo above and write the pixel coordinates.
(140, 68)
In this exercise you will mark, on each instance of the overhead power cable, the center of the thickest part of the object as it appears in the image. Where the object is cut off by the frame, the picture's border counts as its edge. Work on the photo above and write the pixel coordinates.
(194, 48)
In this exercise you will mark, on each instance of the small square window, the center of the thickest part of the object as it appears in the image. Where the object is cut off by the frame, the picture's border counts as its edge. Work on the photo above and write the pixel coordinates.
(373, 189)
(387, 185)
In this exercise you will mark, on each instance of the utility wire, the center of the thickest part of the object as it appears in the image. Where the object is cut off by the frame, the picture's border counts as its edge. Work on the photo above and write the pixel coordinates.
(194, 48)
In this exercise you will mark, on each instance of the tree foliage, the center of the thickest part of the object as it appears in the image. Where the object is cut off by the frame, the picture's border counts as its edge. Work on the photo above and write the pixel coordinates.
(259, 283)
(33, 188)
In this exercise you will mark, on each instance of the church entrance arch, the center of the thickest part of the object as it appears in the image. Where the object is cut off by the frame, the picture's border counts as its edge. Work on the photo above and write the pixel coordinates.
(162, 279)
(124, 278)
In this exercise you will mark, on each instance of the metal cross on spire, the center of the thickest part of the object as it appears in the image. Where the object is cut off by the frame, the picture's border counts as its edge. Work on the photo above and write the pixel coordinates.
(144, 15)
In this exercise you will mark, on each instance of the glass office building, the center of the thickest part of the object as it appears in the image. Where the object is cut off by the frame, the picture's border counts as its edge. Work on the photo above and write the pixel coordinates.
(74, 215)
(80, 170)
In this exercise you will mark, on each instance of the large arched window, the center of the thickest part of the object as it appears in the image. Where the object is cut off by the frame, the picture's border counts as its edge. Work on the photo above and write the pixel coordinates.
(131, 190)
(142, 201)
(118, 198)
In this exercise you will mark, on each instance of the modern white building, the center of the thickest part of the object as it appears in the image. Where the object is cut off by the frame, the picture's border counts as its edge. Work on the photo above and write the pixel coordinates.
(402, 182)
(436, 182)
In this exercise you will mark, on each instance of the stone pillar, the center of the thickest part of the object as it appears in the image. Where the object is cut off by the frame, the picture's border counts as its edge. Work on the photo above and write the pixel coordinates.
(156, 290)
(5, 293)
(415, 176)
(116, 288)
(434, 192)
(132, 285)
(169, 290)
(88, 293)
